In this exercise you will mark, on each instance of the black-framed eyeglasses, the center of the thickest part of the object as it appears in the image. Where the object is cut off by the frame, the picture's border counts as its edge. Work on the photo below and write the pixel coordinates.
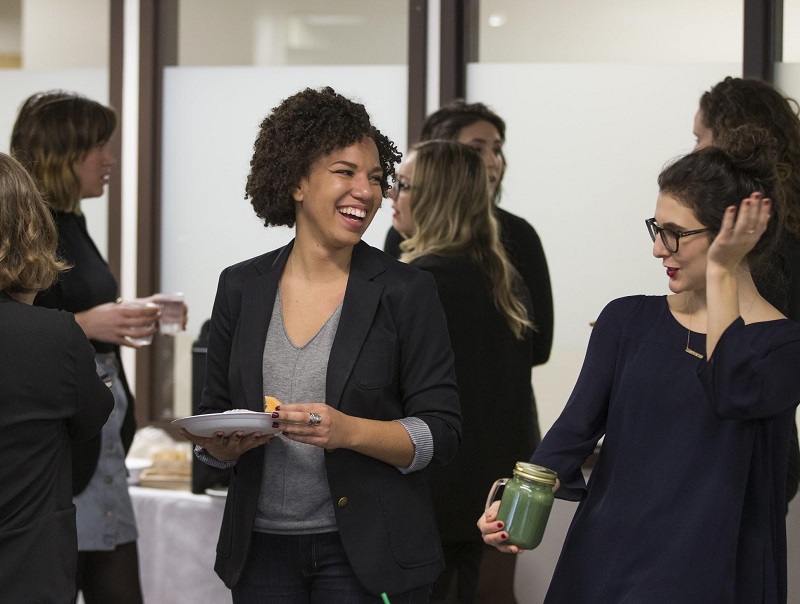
(669, 238)
(398, 187)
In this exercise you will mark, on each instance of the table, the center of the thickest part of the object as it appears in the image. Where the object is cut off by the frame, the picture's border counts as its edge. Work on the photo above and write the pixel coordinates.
(177, 546)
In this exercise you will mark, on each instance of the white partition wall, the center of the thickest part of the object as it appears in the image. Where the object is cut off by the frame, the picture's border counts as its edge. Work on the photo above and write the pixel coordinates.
(584, 145)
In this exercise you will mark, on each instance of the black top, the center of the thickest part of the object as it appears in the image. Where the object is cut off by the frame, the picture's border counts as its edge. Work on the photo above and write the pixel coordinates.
(686, 502)
(525, 252)
(49, 394)
(498, 413)
(87, 284)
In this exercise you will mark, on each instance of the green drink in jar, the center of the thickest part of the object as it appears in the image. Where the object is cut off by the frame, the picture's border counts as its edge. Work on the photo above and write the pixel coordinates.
(526, 503)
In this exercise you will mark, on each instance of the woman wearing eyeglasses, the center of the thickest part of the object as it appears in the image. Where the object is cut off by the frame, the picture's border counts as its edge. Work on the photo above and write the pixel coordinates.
(694, 394)
(443, 183)
(477, 126)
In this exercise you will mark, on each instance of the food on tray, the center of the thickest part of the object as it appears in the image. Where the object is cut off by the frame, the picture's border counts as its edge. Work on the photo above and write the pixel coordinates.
(168, 465)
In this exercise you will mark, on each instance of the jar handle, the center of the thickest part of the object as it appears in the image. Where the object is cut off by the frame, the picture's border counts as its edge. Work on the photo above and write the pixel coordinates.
(493, 492)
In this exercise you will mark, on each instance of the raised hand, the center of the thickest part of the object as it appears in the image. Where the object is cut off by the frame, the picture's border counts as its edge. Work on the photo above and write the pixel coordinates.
(740, 231)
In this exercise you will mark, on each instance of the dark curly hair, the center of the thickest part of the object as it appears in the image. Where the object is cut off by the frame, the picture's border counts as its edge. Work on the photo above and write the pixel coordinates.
(711, 179)
(734, 102)
(299, 131)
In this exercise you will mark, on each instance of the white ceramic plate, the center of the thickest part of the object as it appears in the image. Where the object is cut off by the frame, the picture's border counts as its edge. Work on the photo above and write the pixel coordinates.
(217, 492)
(209, 424)
(135, 466)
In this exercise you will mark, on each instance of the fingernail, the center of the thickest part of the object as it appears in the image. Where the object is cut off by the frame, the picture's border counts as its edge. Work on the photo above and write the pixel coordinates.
(499, 525)
(504, 535)
(278, 408)
(274, 424)
(274, 414)
(767, 201)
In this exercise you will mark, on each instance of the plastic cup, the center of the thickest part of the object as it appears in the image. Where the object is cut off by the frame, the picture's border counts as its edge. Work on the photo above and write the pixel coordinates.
(144, 340)
(171, 313)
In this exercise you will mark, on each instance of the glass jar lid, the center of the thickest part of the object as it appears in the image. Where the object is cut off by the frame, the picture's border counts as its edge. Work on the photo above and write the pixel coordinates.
(535, 473)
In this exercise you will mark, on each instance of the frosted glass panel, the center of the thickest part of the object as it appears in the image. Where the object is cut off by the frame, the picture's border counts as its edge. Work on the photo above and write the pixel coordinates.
(787, 79)
(301, 32)
(18, 84)
(211, 118)
(584, 145)
(791, 25)
(641, 31)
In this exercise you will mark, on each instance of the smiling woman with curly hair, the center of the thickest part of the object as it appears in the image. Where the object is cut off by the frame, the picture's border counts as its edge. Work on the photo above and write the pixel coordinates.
(354, 345)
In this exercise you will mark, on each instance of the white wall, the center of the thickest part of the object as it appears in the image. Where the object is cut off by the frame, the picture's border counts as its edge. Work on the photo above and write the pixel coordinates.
(584, 145)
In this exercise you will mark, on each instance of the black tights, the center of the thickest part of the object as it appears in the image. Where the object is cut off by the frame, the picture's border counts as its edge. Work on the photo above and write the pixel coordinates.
(113, 576)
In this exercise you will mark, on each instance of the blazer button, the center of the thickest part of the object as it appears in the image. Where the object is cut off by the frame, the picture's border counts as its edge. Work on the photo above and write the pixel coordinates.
(342, 502)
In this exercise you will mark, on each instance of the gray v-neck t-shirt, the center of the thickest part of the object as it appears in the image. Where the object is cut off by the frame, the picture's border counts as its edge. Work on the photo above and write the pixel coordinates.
(295, 498)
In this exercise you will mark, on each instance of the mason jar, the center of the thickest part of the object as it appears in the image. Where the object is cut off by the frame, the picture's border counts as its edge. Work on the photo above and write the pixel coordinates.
(526, 503)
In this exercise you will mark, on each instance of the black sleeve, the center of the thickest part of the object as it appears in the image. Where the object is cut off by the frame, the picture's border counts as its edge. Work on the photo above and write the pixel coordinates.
(392, 244)
(793, 473)
(526, 253)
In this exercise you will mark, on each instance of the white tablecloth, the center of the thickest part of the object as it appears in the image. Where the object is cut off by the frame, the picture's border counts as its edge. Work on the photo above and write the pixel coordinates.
(177, 543)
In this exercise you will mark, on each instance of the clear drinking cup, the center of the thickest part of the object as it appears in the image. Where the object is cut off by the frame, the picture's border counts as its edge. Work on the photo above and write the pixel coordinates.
(144, 340)
(171, 313)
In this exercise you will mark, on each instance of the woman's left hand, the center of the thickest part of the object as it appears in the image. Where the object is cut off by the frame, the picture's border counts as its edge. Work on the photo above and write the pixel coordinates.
(315, 424)
(493, 531)
(740, 231)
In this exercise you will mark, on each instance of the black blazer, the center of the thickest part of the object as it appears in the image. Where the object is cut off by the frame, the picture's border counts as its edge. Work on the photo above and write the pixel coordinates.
(49, 394)
(391, 358)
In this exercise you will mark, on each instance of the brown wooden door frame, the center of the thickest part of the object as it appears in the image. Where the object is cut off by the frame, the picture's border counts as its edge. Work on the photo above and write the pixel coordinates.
(763, 38)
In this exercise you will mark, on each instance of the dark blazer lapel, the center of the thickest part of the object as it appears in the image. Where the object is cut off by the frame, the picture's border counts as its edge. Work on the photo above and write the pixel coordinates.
(361, 300)
(258, 298)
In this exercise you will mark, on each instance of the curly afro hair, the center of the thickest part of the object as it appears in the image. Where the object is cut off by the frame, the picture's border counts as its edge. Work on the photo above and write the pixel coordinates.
(300, 130)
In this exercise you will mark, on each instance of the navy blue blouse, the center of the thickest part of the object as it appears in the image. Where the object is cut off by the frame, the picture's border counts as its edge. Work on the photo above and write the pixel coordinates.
(686, 502)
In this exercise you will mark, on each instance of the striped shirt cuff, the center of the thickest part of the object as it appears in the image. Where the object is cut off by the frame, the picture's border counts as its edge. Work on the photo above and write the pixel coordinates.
(420, 435)
(208, 459)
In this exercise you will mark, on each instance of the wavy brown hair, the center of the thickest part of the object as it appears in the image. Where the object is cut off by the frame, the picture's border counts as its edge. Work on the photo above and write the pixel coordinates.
(54, 131)
(28, 236)
(735, 102)
(299, 131)
(453, 216)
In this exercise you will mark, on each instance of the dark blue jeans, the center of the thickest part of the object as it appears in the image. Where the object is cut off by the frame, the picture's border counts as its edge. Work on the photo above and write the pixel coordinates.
(306, 569)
